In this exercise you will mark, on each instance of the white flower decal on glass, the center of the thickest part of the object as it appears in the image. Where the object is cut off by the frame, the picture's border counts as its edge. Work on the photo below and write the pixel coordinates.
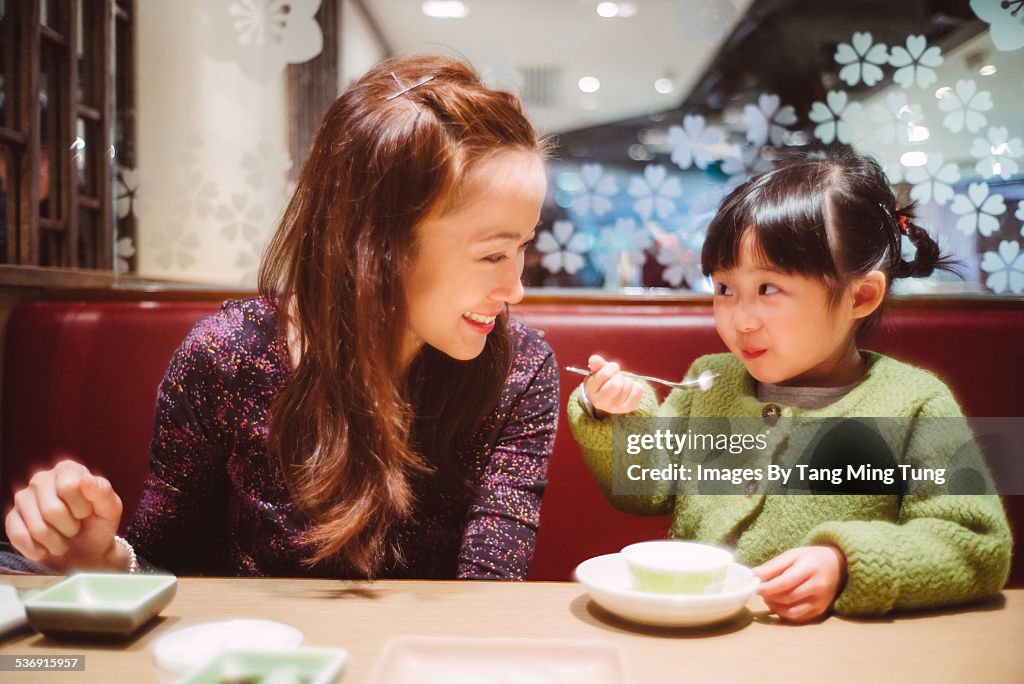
(694, 143)
(175, 247)
(767, 121)
(131, 201)
(563, 248)
(978, 210)
(267, 167)
(862, 60)
(750, 162)
(932, 182)
(125, 251)
(681, 259)
(893, 170)
(262, 36)
(835, 119)
(965, 106)
(895, 118)
(1005, 19)
(997, 154)
(1006, 268)
(655, 192)
(598, 191)
(915, 63)
(241, 217)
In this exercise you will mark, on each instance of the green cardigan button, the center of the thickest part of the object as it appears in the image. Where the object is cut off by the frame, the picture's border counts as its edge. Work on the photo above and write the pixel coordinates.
(770, 413)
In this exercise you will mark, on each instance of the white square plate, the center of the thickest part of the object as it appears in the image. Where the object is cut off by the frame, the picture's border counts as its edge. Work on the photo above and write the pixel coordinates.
(442, 660)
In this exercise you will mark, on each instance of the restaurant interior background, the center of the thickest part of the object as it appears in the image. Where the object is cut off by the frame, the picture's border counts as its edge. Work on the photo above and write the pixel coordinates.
(182, 125)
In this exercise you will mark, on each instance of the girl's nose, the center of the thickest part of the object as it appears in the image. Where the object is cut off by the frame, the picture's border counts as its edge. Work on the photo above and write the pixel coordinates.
(745, 319)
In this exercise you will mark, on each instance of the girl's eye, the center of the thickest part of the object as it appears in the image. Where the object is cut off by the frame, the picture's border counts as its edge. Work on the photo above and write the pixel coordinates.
(722, 289)
(767, 289)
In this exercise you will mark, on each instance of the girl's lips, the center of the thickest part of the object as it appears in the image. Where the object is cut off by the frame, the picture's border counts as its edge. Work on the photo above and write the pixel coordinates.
(753, 353)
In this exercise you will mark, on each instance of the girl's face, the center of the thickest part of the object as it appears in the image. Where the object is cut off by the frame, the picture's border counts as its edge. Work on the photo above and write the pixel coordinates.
(469, 260)
(781, 326)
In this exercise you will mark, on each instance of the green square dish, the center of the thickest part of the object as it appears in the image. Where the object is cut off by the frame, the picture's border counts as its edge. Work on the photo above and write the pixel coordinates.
(100, 603)
(286, 666)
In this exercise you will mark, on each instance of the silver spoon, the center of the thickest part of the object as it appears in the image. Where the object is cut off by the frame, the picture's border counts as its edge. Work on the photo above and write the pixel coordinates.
(702, 382)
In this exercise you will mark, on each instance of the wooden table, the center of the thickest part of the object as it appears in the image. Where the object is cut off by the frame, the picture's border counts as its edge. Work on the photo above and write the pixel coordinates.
(983, 643)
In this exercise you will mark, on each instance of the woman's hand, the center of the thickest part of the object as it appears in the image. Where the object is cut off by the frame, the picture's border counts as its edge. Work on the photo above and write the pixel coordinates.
(609, 390)
(66, 519)
(800, 584)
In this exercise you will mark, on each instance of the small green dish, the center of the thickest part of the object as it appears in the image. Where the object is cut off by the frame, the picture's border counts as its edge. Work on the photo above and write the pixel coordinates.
(286, 666)
(100, 603)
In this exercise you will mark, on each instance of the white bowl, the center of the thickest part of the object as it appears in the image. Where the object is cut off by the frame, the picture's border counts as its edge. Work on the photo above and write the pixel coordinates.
(607, 581)
(676, 567)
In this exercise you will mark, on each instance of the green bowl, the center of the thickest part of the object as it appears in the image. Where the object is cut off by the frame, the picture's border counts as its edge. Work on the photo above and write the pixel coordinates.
(100, 603)
(297, 665)
(676, 567)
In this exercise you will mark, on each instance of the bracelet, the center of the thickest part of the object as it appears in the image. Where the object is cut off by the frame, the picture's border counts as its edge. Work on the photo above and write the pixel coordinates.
(133, 560)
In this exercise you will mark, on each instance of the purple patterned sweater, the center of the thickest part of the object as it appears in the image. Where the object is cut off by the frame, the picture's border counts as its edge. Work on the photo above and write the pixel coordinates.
(214, 501)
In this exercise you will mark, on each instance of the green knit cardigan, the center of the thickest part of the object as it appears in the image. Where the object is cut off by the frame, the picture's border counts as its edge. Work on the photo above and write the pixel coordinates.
(908, 552)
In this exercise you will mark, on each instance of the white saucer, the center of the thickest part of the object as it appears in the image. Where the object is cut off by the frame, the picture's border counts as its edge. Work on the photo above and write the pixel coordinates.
(608, 583)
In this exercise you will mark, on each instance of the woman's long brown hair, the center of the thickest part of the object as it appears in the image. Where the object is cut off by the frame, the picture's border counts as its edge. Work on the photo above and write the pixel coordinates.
(351, 426)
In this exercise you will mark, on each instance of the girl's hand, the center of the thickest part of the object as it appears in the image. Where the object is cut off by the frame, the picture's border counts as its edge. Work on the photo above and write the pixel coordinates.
(609, 390)
(66, 519)
(800, 584)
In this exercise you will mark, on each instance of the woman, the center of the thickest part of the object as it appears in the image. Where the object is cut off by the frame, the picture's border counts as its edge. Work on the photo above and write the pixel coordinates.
(374, 412)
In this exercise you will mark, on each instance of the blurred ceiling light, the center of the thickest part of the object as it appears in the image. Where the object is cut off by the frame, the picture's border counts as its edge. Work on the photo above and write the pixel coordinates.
(664, 86)
(445, 9)
(589, 84)
(638, 152)
(915, 158)
(943, 92)
(987, 70)
(609, 10)
(917, 133)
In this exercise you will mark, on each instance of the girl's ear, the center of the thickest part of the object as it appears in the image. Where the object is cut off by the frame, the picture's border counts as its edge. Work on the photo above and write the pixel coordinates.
(868, 293)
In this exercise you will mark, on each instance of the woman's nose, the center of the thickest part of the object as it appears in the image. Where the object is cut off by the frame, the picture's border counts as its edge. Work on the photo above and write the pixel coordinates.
(510, 289)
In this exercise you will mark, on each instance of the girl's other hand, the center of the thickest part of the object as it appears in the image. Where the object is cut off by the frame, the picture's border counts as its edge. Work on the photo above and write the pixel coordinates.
(800, 584)
(66, 519)
(609, 390)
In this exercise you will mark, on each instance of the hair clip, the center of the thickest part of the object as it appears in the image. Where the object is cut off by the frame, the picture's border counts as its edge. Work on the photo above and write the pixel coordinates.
(404, 89)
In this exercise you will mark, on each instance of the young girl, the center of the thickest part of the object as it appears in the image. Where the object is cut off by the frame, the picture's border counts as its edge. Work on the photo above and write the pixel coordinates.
(802, 259)
(374, 412)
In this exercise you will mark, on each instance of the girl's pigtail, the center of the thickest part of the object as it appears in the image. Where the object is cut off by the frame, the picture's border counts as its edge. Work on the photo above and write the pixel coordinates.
(927, 258)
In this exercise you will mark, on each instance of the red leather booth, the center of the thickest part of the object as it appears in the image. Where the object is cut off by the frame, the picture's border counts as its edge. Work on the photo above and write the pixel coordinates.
(81, 378)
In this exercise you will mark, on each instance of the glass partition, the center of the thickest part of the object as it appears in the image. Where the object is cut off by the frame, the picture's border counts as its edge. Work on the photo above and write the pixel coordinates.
(658, 109)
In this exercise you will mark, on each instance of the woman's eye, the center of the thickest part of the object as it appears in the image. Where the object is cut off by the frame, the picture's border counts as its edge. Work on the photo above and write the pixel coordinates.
(495, 258)
(767, 289)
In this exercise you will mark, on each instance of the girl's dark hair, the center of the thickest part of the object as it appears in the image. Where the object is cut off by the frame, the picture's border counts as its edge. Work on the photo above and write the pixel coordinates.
(351, 426)
(834, 218)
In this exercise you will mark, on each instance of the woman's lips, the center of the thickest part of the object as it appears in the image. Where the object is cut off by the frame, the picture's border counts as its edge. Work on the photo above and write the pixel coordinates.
(480, 323)
(752, 354)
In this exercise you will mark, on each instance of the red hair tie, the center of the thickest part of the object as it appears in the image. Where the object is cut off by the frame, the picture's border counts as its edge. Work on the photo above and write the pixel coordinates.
(904, 223)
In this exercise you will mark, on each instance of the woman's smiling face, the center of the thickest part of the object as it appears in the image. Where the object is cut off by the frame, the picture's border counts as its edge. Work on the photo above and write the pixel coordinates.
(469, 260)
